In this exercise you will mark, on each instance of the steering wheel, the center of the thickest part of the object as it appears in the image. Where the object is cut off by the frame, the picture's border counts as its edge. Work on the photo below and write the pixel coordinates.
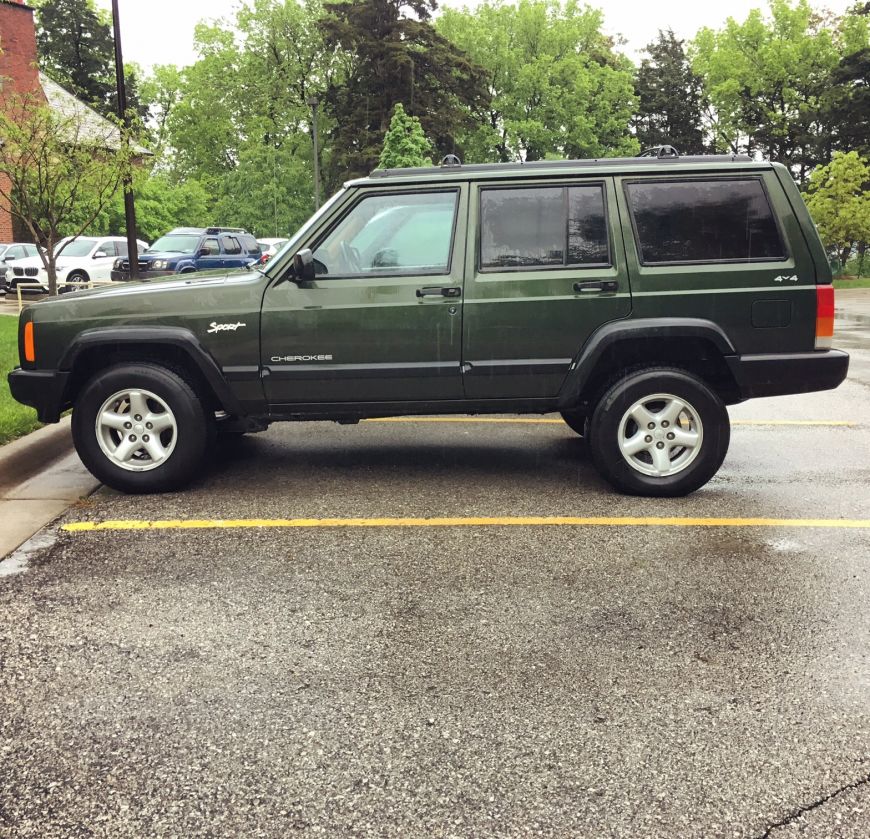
(351, 258)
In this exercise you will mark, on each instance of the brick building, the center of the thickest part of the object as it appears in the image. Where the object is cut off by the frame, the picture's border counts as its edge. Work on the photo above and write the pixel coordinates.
(18, 70)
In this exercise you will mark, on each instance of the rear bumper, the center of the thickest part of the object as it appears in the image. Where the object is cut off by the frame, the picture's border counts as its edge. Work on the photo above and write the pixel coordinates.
(778, 375)
(40, 389)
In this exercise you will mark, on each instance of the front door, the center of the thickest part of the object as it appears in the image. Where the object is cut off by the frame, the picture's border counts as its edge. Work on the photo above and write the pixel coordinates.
(382, 320)
(548, 270)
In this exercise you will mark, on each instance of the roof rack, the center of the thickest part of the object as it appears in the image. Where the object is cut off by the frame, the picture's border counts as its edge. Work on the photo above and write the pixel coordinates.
(449, 168)
(660, 152)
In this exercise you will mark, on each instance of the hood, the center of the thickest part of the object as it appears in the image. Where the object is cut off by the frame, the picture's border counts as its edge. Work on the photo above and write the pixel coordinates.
(164, 254)
(26, 262)
(159, 284)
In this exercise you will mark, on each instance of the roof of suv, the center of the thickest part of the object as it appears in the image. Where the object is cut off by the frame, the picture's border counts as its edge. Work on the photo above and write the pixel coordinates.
(544, 168)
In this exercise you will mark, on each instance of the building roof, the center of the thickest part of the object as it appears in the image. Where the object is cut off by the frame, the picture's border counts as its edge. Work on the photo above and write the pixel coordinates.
(92, 126)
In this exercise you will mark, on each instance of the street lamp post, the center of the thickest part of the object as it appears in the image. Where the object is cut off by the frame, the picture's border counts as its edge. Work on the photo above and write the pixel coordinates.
(129, 205)
(313, 102)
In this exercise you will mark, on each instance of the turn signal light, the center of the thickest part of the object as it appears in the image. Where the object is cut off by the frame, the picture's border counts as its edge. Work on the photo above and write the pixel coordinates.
(29, 346)
(824, 316)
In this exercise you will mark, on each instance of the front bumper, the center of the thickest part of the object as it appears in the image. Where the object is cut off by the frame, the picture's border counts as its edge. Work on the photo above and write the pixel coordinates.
(778, 375)
(124, 276)
(41, 389)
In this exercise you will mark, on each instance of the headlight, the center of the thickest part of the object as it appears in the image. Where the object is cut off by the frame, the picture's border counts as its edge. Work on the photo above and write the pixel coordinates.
(159, 264)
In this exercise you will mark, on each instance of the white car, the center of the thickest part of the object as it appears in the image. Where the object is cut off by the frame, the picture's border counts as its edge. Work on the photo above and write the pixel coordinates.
(270, 247)
(79, 261)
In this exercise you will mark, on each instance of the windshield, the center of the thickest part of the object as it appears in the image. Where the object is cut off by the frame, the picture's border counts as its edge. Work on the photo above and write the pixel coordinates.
(3, 249)
(177, 243)
(78, 247)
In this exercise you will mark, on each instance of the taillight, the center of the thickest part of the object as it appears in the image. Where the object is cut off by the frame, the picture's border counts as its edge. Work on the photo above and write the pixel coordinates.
(29, 346)
(824, 316)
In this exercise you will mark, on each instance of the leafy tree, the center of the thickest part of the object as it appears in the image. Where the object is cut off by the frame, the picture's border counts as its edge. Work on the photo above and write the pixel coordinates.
(839, 202)
(76, 49)
(847, 105)
(405, 143)
(392, 53)
(556, 86)
(57, 171)
(670, 96)
(766, 78)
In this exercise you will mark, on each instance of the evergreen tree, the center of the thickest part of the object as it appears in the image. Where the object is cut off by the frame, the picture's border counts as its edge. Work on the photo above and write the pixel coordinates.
(670, 98)
(394, 55)
(405, 143)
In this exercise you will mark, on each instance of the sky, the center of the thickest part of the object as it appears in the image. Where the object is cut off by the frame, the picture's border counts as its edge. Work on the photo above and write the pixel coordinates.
(161, 31)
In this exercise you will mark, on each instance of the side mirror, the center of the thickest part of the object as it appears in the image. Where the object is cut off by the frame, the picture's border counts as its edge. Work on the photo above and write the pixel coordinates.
(99, 255)
(303, 266)
(203, 252)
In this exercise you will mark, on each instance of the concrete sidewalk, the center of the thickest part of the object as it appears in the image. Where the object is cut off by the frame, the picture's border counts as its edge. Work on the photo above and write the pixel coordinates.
(40, 477)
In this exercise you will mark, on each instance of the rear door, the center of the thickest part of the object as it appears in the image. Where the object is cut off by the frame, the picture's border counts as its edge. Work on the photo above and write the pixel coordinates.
(546, 271)
(381, 322)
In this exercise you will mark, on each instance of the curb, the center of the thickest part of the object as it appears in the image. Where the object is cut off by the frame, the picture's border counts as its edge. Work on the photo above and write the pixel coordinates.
(29, 455)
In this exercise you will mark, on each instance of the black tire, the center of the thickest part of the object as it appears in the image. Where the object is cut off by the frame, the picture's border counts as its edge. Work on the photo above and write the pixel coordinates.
(193, 427)
(578, 423)
(74, 277)
(608, 415)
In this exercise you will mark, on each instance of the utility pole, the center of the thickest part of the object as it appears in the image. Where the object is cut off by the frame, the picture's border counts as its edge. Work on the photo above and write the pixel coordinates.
(313, 102)
(129, 205)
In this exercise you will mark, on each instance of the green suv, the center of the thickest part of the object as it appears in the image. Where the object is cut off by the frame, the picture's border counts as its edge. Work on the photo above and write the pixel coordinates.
(637, 297)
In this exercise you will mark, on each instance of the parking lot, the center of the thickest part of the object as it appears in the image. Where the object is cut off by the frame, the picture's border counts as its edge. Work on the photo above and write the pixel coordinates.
(453, 627)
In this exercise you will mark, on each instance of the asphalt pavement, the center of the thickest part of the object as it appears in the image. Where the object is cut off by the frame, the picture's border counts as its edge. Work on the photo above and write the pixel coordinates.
(375, 678)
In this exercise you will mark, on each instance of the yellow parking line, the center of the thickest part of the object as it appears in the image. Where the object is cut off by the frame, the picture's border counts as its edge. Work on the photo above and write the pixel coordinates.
(542, 421)
(494, 521)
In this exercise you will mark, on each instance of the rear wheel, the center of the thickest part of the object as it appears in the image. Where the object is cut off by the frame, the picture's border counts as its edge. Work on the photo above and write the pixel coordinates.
(659, 432)
(140, 428)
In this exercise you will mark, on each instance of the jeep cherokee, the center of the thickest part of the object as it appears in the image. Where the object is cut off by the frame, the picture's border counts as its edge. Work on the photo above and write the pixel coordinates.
(638, 297)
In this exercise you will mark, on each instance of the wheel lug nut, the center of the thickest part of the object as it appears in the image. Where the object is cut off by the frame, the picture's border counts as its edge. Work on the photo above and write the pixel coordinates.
(665, 424)
(651, 426)
(671, 435)
(128, 425)
(660, 445)
(648, 438)
(138, 417)
(145, 438)
(149, 425)
(132, 438)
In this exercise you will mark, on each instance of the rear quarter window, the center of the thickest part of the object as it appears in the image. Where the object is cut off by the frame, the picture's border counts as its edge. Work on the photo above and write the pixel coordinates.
(703, 221)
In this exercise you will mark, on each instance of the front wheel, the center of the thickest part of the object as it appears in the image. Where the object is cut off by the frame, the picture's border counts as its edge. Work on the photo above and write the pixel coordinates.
(140, 428)
(659, 432)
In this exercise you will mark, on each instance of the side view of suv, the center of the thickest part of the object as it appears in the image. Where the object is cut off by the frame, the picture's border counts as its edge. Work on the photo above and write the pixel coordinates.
(638, 297)
(188, 249)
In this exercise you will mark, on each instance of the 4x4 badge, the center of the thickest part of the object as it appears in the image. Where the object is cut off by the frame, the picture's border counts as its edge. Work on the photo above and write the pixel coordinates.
(225, 327)
(791, 278)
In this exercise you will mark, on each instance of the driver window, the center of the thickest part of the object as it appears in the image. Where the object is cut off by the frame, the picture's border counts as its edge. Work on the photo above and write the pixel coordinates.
(391, 235)
(214, 249)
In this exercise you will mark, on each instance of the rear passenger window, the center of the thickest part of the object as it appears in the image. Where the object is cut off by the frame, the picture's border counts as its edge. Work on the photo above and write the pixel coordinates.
(251, 245)
(542, 227)
(231, 245)
(703, 221)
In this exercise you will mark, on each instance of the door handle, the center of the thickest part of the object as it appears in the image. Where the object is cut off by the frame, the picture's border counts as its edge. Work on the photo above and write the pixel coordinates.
(438, 291)
(598, 286)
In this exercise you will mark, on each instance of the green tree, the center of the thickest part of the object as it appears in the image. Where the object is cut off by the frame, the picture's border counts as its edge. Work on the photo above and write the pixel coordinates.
(405, 142)
(76, 49)
(556, 85)
(766, 79)
(58, 172)
(392, 53)
(839, 202)
(671, 100)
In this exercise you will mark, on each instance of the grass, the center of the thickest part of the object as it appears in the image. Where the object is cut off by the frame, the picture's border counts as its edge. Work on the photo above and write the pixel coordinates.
(851, 282)
(15, 419)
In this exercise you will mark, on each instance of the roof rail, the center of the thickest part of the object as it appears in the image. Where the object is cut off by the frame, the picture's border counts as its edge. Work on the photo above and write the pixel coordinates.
(660, 151)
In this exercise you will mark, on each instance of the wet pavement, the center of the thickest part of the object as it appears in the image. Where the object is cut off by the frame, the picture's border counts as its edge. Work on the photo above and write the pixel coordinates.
(500, 680)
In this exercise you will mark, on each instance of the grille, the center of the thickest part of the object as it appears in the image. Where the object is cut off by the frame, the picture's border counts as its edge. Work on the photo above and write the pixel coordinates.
(26, 272)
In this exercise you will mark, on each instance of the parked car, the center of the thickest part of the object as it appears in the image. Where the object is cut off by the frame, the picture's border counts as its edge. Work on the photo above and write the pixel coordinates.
(79, 260)
(12, 254)
(188, 249)
(636, 296)
(270, 247)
